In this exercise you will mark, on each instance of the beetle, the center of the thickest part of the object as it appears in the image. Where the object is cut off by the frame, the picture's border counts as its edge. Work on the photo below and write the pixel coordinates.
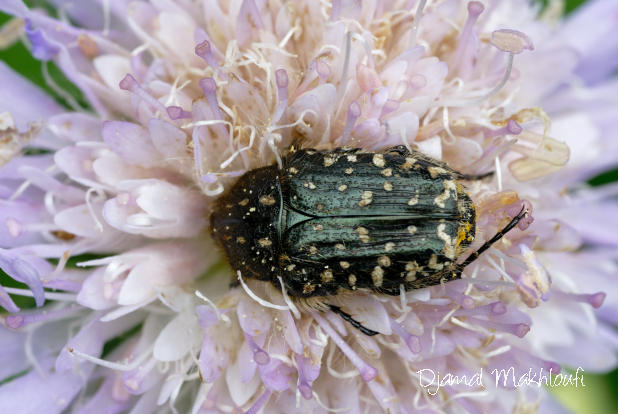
(335, 221)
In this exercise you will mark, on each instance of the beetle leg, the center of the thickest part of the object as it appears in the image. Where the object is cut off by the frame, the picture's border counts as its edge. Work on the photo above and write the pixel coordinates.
(400, 149)
(346, 317)
(523, 213)
(473, 177)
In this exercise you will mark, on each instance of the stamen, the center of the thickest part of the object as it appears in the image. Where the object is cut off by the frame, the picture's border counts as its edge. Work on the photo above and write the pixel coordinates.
(323, 70)
(413, 341)
(344, 72)
(204, 51)
(128, 83)
(461, 61)
(68, 98)
(498, 351)
(6, 302)
(260, 356)
(511, 41)
(329, 409)
(220, 315)
(303, 384)
(335, 11)
(367, 372)
(134, 379)
(491, 309)
(257, 298)
(209, 87)
(390, 105)
(517, 329)
(257, 406)
(114, 365)
(91, 211)
(354, 112)
(18, 321)
(287, 299)
(64, 297)
(593, 299)
(416, 22)
(511, 128)
(176, 112)
(329, 364)
(281, 77)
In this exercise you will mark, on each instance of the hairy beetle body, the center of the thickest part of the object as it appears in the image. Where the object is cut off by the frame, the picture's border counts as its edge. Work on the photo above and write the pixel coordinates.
(347, 219)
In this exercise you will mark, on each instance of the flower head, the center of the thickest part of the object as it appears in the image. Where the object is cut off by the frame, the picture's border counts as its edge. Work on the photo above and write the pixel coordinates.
(106, 225)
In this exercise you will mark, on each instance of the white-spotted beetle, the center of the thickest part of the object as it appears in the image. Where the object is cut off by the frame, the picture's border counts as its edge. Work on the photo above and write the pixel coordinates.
(346, 219)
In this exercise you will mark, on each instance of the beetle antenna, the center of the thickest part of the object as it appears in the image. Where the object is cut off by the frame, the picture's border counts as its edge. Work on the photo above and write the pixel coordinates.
(346, 317)
(521, 215)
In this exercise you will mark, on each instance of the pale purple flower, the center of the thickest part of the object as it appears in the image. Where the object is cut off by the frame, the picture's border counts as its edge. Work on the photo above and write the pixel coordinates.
(186, 96)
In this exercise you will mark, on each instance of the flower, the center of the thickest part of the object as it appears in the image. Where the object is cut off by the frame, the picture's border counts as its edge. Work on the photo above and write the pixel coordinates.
(104, 211)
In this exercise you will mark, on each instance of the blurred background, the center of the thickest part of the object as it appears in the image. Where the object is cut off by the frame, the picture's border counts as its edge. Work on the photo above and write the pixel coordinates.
(600, 394)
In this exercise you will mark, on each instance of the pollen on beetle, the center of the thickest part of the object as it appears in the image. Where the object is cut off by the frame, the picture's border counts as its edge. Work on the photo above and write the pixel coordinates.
(329, 159)
(413, 201)
(352, 280)
(344, 264)
(308, 288)
(378, 160)
(388, 186)
(412, 229)
(264, 242)
(267, 200)
(313, 250)
(309, 185)
(351, 158)
(433, 263)
(411, 269)
(342, 187)
(318, 227)
(449, 185)
(349, 170)
(449, 248)
(339, 246)
(363, 234)
(326, 276)
(384, 261)
(436, 171)
(377, 275)
(410, 161)
(389, 246)
(293, 170)
(366, 199)
(240, 240)
(387, 172)
(243, 202)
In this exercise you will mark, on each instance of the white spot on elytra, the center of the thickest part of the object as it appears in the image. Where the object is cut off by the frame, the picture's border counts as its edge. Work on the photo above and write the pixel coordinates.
(366, 198)
(449, 185)
(363, 234)
(449, 248)
(327, 276)
(436, 171)
(377, 275)
(378, 160)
